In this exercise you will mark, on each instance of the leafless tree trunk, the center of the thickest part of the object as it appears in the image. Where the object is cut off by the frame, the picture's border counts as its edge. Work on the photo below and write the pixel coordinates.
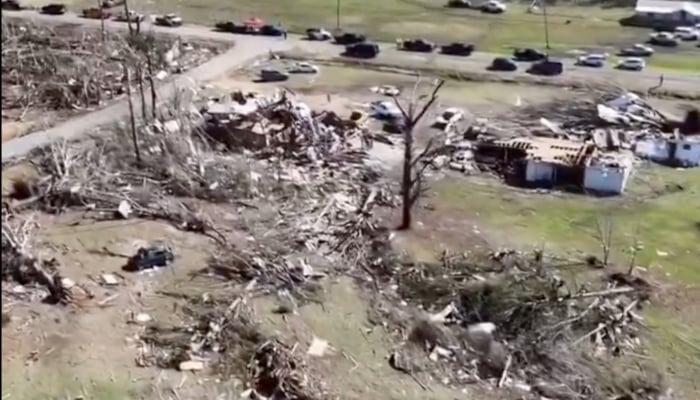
(413, 171)
(151, 81)
(604, 236)
(634, 250)
(128, 18)
(144, 112)
(132, 117)
(102, 20)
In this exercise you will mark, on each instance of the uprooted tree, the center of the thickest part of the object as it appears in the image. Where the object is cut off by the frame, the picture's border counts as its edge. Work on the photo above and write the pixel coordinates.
(414, 166)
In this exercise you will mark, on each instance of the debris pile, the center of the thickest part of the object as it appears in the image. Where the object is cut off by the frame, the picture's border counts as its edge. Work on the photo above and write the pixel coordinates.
(24, 270)
(510, 319)
(64, 69)
(225, 336)
(584, 145)
(281, 124)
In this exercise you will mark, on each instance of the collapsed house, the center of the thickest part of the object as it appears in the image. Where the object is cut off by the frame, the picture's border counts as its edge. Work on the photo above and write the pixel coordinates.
(551, 162)
(581, 144)
(265, 123)
(671, 150)
(656, 137)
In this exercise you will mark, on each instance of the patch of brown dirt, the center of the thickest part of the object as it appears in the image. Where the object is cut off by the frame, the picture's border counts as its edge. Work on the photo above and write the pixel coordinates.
(11, 130)
(434, 231)
(46, 348)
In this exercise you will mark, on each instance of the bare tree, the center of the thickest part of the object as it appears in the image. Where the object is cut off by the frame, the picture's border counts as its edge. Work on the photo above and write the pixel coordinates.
(604, 234)
(634, 250)
(151, 81)
(102, 20)
(128, 18)
(132, 117)
(144, 112)
(413, 170)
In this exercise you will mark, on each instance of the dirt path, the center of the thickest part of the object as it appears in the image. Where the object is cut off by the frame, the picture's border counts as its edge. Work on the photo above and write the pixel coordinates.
(241, 54)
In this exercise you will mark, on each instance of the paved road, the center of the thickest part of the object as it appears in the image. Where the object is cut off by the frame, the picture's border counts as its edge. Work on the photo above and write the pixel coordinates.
(247, 48)
(477, 62)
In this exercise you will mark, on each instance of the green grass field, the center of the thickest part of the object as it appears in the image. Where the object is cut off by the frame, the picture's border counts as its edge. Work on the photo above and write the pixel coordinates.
(665, 220)
(569, 27)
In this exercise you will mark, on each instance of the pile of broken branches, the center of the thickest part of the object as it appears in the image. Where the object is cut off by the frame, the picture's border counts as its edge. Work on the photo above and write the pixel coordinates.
(74, 70)
(511, 318)
(226, 334)
(21, 267)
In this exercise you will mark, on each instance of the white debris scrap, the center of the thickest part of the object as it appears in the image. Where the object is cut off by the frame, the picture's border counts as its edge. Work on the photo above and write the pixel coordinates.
(318, 347)
(442, 316)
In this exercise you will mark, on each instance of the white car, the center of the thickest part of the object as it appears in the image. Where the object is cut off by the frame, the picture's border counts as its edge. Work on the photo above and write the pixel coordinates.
(449, 116)
(386, 90)
(318, 34)
(303, 68)
(632, 64)
(638, 50)
(385, 110)
(168, 20)
(494, 7)
(686, 33)
(132, 16)
(592, 60)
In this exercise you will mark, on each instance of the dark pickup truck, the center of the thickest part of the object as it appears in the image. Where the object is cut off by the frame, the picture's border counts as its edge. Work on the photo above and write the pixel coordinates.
(362, 50)
(547, 68)
(349, 38)
(457, 49)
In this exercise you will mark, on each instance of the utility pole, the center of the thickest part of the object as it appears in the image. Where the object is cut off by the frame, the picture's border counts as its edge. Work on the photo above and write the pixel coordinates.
(546, 25)
(337, 15)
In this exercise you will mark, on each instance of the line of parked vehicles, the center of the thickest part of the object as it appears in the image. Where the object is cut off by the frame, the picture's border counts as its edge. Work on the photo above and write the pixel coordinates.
(104, 12)
(357, 45)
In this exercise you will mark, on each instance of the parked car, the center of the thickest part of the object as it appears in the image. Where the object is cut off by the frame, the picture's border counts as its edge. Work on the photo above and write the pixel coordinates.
(687, 33)
(54, 9)
(547, 68)
(318, 34)
(303, 68)
(417, 45)
(133, 16)
(11, 5)
(529, 55)
(272, 30)
(449, 116)
(665, 39)
(112, 3)
(272, 75)
(386, 90)
(459, 4)
(254, 24)
(631, 64)
(230, 27)
(591, 60)
(168, 20)
(457, 49)
(96, 13)
(362, 50)
(385, 110)
(637, 50)
(349, 38)
(494, 7)
(503, 64)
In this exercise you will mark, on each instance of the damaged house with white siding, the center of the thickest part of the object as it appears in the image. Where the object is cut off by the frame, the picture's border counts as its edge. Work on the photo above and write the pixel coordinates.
(545, 162)
(675, 150)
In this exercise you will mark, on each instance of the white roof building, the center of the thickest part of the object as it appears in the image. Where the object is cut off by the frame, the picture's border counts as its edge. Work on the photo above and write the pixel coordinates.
(667, 7)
